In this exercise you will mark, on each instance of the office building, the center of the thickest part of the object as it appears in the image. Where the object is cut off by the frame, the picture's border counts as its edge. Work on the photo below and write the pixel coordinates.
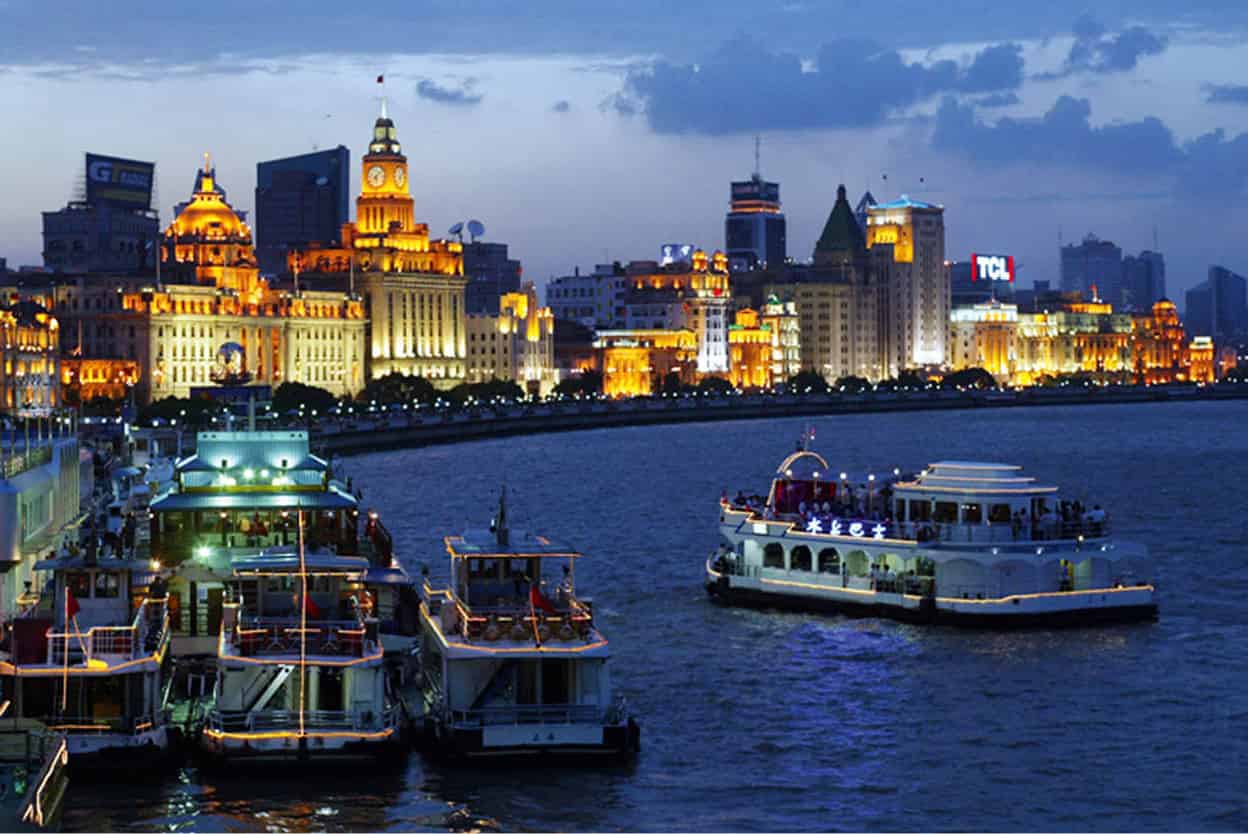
(1143, 281)
(594, 300)
(1093, 268)
(491, 274)
(1218, 306)
(754, 229)
(30, 373)
(299, 200)
(517, 345)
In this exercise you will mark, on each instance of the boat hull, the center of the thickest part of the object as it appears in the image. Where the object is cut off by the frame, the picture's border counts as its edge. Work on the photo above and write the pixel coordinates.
(567, 743)
(219, 750)
(119, 753)
(1057, 613)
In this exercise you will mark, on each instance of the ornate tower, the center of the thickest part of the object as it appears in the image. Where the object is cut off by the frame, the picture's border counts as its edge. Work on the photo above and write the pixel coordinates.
(384, 199)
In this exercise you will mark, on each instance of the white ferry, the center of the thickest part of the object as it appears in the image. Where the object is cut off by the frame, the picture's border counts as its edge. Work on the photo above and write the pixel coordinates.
(300, 670)
(89, 658)
(965, 543)
(510, 667)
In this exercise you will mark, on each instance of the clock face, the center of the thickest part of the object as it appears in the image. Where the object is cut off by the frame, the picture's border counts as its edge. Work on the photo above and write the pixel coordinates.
(376, 176)
(400, 177)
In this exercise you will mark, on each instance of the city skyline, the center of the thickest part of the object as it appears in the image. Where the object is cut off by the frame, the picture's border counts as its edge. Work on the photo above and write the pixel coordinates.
(543, 150)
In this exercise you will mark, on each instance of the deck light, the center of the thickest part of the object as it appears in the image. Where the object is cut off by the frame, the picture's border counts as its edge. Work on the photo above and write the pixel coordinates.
(155, 565)
(249, 474)
(203, 551)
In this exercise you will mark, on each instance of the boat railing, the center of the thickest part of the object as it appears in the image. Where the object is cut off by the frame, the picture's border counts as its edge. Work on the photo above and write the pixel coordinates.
(528, 714)
(571, 618)
(273, 636)
(133, 725)
(45, 757)
(926, 532)
(291, 721)
(146, 636)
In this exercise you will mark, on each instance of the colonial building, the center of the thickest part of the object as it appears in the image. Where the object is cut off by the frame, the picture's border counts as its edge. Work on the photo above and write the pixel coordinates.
(413, 287)
(634, 363)
(517, 345)
(30, 376)
(693, 295)
(213, 311)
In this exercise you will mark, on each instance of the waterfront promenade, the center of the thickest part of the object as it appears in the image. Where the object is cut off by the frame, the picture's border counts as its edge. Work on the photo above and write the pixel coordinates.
(390, 429)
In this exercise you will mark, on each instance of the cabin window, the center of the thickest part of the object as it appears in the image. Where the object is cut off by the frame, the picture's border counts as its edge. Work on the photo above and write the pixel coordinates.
(799, 558)
(79, 584)
(999, 513)
(773, 556)
(829, 560)
(107, 586)
(901, 509)
(920, 511)
(945, 512)
(972, 513)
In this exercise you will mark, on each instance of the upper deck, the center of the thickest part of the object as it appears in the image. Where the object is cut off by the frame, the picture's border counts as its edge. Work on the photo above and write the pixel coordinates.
(501, 599)
(948, 504)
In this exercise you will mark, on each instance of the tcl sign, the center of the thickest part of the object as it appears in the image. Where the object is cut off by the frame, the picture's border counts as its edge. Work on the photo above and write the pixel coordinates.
(992, 267)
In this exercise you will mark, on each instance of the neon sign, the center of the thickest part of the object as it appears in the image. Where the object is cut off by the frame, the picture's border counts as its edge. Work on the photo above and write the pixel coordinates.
(855, 528)
(992, 267)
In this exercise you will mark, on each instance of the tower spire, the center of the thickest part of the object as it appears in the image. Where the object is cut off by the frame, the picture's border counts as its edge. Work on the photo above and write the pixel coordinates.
(758, 173)
(383, 108)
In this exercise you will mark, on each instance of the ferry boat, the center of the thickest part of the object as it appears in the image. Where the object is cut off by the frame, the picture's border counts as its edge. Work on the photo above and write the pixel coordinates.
(510, 669)
(964, 543)
(300, 670)
(89, 658)
(239, 495)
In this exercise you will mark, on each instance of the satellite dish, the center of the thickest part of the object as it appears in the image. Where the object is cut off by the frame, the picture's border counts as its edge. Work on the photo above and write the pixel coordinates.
(476, 228)
(457, 230)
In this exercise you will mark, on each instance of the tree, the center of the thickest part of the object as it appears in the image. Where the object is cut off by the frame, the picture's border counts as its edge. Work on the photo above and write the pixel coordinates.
(587, 384)
(191, 412)
(852, 384)
(808, 381)
(289, 396)
(969, 378)
(904, 381)
(670, 384)
(715, 386)
(395, 387)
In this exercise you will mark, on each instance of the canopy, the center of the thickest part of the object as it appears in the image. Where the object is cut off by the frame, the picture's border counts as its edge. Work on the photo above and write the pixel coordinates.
(484, 544)
(181, 501)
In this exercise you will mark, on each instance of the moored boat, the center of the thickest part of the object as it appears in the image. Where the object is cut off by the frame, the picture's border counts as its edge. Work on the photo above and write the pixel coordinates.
(510, 667)
(961, 542)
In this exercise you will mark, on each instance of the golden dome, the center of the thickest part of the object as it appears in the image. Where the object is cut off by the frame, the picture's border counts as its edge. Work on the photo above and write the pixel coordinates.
(208, 214)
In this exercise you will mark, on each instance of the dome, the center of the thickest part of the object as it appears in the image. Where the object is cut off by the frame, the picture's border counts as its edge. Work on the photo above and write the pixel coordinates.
(803, 466)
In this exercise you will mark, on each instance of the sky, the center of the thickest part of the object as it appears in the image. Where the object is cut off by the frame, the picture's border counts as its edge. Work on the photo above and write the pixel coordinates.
(588, 132)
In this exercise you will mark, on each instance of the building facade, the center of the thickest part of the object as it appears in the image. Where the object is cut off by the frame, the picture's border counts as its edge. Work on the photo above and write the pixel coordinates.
(1093, 268)
(214, 318)
(1218, 306)
(491, 274)
(299, 200)
(1143, 281)
(595, 299)
(517, 345)
(30, 373)
(412, 286)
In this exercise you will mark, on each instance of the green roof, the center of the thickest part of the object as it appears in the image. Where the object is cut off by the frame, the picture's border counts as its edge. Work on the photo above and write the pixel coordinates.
(841, 233)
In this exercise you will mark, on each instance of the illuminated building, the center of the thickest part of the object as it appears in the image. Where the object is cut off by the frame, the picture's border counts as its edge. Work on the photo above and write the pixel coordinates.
(1200, 355)
(839, 300)
(517, 345)
(111, 379)
(30, 374)
(692, 295)
(781, 320)
(916, 291)
(754, 230)
(413, 286)
(214, 296)
(1160, 352)
(635, 362)
(750, 349)
(983, 336)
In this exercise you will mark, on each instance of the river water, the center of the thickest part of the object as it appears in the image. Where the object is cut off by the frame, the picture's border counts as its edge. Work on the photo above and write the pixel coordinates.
(765, 721)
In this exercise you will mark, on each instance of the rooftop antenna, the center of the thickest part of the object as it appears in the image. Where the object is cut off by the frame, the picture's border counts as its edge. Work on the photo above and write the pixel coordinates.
(457, 231)
(476, 228)
(758, 141)
(499, 525)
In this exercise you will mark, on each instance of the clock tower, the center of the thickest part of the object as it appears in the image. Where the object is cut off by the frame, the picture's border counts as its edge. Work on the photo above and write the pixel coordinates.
(384, 199)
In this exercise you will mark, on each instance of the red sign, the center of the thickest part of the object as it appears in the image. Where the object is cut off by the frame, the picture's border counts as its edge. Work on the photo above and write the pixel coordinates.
(992, 267)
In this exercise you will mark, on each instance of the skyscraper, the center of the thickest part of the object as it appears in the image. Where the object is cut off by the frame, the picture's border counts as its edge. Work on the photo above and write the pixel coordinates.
(917, 297)
(1143, 280)
(300, 199)
(1093, 263)
(491, 274)
(754, 229)
(1218, 306)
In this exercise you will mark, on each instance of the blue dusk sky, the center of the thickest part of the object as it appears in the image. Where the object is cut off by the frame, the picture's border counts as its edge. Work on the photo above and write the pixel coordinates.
(582, 132)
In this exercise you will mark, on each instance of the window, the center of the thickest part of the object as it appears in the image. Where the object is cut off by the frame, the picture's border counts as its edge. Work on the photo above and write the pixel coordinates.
(829, 560)
(79, 584)
(799, 558)
(773, 556)
(945, 512)
(920, 511)
(107, 585)
(999, 513)
(972, 513)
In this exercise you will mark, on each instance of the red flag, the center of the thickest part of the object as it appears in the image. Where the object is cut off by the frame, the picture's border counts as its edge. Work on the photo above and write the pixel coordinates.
(538, 600)
(71, 605)
(381, 79)
(311, 608)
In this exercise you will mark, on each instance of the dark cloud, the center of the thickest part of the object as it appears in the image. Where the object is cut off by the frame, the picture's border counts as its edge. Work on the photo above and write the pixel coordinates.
(1096, 51)
(561, 106)
(1065, 136)
(851, 83)
(461, 96)
(1226, 93)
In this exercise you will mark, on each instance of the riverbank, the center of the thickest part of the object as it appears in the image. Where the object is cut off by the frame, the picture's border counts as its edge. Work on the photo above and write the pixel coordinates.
(413, 430)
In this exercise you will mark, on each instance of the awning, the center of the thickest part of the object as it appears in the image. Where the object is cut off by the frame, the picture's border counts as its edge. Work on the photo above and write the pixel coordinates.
(182, 501)
(286, 561)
